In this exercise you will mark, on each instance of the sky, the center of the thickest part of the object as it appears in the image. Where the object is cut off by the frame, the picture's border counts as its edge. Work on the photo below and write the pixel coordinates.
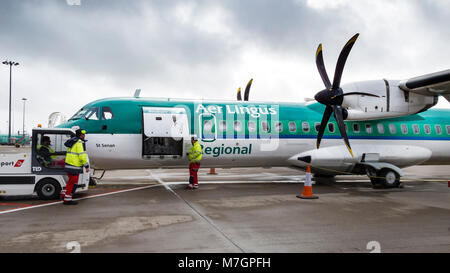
(71, 52)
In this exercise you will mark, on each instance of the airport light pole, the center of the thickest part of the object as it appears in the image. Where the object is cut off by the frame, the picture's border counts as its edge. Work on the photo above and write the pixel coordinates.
(23, 127)
(10, 63)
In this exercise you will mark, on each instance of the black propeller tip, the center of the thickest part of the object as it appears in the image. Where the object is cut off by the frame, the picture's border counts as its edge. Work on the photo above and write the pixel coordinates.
(247, 90)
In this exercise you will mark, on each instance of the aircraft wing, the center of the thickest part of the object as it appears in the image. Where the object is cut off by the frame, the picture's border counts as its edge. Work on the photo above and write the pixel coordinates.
(430, 85)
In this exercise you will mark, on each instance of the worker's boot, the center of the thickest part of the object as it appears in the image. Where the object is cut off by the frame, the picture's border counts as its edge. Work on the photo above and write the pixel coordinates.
(195, 186)
(71, 202)
(189, 187)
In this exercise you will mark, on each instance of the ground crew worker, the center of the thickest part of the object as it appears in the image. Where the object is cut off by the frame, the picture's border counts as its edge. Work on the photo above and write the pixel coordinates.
(45, 151)
(76, 160)
(194, 156)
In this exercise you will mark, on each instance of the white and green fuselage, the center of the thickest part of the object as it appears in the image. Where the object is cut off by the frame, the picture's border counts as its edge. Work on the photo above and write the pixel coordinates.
(151, 133)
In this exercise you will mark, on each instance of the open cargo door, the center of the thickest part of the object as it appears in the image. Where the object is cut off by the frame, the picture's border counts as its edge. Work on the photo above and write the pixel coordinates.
(165, 129)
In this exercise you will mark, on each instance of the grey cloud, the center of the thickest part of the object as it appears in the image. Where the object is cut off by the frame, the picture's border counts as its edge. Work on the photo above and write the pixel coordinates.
(105, 36)
(135, 42)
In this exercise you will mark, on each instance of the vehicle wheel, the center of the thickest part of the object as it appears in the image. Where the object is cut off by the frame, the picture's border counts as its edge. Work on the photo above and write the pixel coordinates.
(48, 189)
(389, 178)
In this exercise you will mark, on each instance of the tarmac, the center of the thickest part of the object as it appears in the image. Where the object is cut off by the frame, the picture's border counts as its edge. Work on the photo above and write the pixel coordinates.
(242, 210)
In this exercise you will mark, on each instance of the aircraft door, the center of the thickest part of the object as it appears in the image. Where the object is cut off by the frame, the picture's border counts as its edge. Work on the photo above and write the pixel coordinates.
(165, 128)
(208, 127)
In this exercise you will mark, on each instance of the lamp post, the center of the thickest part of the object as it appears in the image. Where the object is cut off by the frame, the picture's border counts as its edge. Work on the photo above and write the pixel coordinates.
(23, 127)
(10, 63)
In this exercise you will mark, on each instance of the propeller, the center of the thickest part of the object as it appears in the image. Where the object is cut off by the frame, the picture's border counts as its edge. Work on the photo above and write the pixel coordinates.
(333, 95)
(246, 92)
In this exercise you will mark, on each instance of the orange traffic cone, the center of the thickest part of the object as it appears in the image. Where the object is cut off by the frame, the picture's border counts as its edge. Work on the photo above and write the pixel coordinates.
(307, 187)
(212, 171)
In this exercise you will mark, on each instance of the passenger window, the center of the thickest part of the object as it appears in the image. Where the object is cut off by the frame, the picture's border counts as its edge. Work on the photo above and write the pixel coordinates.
(237, 126)
(207, 126)
(107, 113)
(427, 129)
(404, 129)
(292, 126)
(392, 128)
(222, 125)
(278, 126)
(416, 129)
(265, 126)
(355, 127)
(251, 126)
(305, 126)
(380, 128)
(438, 129)
(331, 127)
(448, 129)
(368, 128)
(317, 126)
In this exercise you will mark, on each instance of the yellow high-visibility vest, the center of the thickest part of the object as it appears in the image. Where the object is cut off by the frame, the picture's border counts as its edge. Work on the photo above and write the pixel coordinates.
(48, 148)
(76, 155)
(196, 153)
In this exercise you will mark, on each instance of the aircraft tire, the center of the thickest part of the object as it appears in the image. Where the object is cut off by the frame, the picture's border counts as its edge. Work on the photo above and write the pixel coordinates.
(388, 178)
(376, 183)
(374, 178)
(48, 189)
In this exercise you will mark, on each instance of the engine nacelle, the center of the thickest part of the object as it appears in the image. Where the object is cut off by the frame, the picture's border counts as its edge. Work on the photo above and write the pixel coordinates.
(392, 100)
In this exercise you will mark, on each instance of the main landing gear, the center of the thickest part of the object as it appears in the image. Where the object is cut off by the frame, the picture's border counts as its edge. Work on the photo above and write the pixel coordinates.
(384, 178)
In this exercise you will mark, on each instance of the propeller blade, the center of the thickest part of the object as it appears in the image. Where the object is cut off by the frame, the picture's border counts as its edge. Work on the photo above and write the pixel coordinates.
(239, 94)
(247, 90)
(357, 93)
(340, 121)
(321, 67)
(341, 61)
(323, 124)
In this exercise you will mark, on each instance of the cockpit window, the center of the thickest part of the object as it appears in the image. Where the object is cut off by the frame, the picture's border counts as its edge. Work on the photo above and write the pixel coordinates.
(79, 114)
(88, 113)
(107, 113)
(92, 113)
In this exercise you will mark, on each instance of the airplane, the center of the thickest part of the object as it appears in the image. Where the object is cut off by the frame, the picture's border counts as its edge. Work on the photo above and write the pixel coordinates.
(389, 123)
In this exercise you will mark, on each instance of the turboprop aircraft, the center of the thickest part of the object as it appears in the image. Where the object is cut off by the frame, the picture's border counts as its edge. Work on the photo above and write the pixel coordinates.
(385, 126)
